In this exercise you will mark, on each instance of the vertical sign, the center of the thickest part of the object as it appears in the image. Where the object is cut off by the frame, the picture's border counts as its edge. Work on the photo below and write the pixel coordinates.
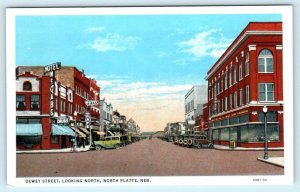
(52, 68)
(87, 120)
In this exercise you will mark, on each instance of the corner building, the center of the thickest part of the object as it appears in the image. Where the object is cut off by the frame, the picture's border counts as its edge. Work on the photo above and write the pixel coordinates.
(245, 78)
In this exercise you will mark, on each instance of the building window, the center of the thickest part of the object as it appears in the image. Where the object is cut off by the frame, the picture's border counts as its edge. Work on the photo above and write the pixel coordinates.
(225, 103)
(247, 94)
(266, 91)
(225, 80)
(56, 104)
(54, 139)
(235, 100)
(230, 78)
(230, 101)
(27, 86)
(247, 65)
(20, 102)
(34, 102)
(63, 106)
(240, 71)
(241, 97)
(234, 74)
(265, 61)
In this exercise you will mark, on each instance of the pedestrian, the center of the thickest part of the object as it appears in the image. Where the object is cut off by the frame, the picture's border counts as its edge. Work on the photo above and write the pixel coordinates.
(83, 142)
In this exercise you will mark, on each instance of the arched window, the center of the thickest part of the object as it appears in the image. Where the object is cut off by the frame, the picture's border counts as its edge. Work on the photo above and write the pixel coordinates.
(265, 61)
(27, 86)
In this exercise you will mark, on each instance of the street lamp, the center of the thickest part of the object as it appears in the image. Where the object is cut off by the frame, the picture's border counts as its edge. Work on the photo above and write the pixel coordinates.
(265, 111)
(75, 140)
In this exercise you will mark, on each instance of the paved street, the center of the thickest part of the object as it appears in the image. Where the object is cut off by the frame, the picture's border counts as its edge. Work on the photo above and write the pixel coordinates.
(147, 158)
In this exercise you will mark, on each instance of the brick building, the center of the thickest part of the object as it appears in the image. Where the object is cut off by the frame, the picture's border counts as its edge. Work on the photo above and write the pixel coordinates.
(245, 78)
(72, 89)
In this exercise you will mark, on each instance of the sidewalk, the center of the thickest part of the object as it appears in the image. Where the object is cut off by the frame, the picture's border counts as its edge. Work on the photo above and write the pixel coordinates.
(223, 147)
(66, 150)
(278, 161)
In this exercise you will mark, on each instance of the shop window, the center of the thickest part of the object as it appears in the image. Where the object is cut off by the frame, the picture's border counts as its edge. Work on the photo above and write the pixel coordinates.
(21, 120)
(34, 102)
(216, 135)
(256, 133)
(29, 140)
(20, 102)
(244, 133)
(266, 91)
(224, 136)
(27, 86)
(54, 139)
(233, 133)
(217, 123)
(265, 61)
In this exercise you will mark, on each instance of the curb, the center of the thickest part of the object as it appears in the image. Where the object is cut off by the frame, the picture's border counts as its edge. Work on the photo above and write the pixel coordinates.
(248, 149)
(51, 151)
(269, 162)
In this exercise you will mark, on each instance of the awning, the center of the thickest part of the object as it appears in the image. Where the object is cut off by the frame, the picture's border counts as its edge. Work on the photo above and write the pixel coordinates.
(84, 130)
(29, 129)
(62, 130)
(79, 133)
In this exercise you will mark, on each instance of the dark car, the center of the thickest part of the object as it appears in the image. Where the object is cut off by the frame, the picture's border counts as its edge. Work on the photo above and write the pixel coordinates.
(201, 141)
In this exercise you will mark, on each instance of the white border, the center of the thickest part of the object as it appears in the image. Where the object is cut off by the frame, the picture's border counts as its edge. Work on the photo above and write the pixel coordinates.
(286, 12)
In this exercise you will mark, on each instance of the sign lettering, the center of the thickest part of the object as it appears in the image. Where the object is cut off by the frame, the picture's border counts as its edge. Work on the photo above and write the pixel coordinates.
(91, 102)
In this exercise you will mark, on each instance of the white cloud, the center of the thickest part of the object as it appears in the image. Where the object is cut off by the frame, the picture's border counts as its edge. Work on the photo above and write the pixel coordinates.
(114, 42)
(95, 29)
(210, 43)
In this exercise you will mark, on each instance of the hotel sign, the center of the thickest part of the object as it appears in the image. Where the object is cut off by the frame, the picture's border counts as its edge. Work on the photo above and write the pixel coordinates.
(91, 102)
(52, 68)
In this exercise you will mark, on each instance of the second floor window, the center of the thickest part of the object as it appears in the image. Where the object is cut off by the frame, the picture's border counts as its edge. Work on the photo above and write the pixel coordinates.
(247, 94)
(21, 103)
(34, 102)
(234, 74)
(265, 61)
(266, 91)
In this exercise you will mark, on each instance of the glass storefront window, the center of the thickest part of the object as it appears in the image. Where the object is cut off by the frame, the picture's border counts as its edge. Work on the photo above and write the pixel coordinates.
(29, 140)
(224, 134)
(216, 135)
(244, 133)
(273, 132)
(217, 123)
(54, 139)
(256, 133)
(233, 133)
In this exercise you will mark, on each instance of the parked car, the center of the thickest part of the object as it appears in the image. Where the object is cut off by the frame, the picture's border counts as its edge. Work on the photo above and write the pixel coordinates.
(110, 142)
(201, 141)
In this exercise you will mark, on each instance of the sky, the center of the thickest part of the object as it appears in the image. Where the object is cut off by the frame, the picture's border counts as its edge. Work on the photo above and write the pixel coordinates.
(144, 64)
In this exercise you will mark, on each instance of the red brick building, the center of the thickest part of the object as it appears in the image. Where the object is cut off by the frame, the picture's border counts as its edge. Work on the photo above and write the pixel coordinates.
(245, 78)
(201, 123)
(72, 89)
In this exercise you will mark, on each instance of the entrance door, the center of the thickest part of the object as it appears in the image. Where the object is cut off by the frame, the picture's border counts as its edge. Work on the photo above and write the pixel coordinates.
(63, 142)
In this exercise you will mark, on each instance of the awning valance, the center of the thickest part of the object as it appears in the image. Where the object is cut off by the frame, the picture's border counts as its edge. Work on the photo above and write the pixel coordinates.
(62, 130)
(29, 129)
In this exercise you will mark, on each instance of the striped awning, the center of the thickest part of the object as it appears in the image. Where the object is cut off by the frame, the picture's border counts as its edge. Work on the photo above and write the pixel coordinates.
(29, 129)
(84, 130)
(79, 133)
(62, 130)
